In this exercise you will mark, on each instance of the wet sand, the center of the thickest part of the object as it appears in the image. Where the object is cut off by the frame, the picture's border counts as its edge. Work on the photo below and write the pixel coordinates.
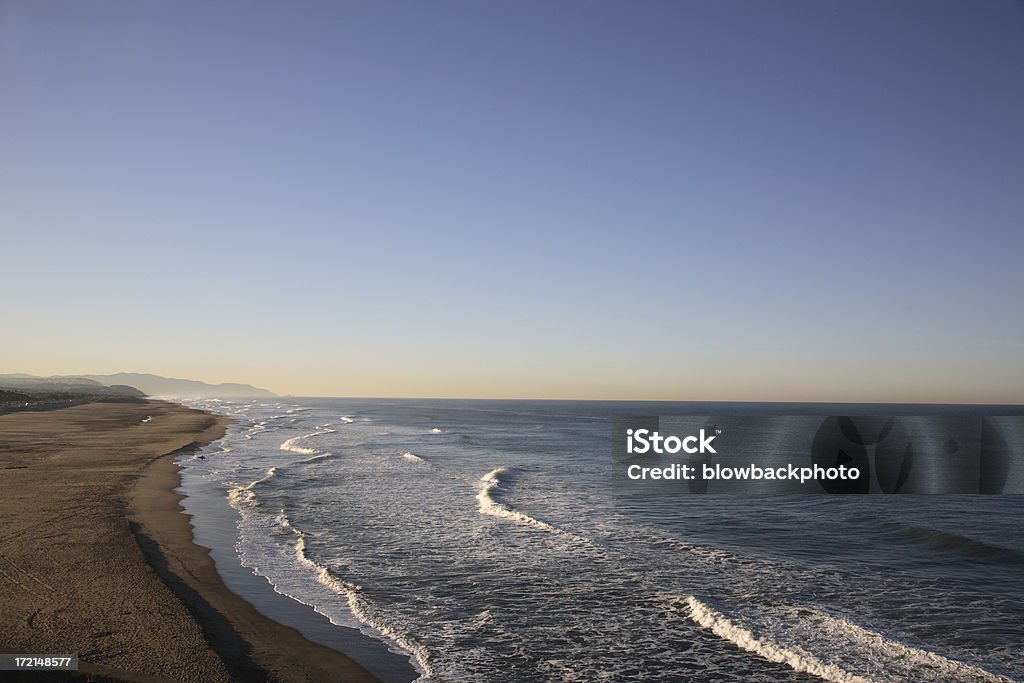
(97, 559)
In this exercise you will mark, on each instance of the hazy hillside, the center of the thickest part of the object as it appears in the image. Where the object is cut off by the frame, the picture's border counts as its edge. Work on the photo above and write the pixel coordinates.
(27, 392)
(66, 385)
(154, 385)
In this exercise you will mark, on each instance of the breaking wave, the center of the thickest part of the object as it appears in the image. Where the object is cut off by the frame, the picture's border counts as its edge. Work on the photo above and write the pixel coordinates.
(495, 484)
(361, 608)
(831, 648)
(244, 495)
(291, 444)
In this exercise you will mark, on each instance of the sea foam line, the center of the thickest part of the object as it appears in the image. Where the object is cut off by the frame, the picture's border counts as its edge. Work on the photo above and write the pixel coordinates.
(360, 608)
(889, 660)
(495, 483)
(244, 495)
(290, 444)
(716, 622)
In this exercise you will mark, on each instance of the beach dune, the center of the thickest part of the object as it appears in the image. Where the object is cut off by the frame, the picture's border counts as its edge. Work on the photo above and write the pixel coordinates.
(96, 558)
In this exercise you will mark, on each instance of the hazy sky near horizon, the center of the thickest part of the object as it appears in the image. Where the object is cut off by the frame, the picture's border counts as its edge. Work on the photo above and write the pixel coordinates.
(668, 200)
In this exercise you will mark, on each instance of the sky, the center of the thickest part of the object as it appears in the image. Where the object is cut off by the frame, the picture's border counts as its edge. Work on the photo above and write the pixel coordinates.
(789, 201)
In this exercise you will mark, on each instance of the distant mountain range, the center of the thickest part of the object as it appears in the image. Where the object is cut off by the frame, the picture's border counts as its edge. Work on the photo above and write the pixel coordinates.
(154, 385)
(132, 383)
(65, 385)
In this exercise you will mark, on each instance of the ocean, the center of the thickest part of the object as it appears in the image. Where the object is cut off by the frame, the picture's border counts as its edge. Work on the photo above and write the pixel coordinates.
(485, 541)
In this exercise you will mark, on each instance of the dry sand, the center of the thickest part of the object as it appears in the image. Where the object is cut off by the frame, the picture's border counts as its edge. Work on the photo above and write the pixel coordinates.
(97, 559)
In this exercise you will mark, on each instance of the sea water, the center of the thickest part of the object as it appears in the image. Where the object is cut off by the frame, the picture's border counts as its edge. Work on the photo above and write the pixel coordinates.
(485, 541)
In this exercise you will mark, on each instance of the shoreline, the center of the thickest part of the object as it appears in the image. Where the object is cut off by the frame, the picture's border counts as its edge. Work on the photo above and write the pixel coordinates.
(214, 522)
(98, 558)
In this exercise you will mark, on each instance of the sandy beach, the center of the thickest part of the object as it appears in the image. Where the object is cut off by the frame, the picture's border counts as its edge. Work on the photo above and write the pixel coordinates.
(97, 559)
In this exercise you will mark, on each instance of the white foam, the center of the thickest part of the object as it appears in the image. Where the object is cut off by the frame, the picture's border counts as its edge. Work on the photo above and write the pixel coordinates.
(359, 606)
(241, 496)
(413, 458)
(435, 430)
(244, 495)
(257, 428)
(810, 641)
(345, 419)
(494, 483)
(745, 639)
(290, 444)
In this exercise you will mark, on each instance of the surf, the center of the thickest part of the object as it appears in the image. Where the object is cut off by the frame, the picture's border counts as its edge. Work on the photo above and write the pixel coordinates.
(495, 484)
(360, 607)
(832, 648)
(292, 443)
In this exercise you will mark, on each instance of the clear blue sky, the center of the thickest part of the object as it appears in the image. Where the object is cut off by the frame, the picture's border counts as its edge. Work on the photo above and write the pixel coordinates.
(694, 200)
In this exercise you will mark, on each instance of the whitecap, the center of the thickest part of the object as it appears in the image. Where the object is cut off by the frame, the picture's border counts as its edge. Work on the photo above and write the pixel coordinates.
(835, 649)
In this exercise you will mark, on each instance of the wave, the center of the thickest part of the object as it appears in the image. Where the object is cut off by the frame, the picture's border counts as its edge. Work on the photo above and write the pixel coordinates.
(413, 458)
(810, 641)
(290, 444)
(345, 419)
(244, 495)
(316, 458)
(435, 430)
(716, 622)
(257, 428)
(240, 496)
(360, 607)
(495, 483)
